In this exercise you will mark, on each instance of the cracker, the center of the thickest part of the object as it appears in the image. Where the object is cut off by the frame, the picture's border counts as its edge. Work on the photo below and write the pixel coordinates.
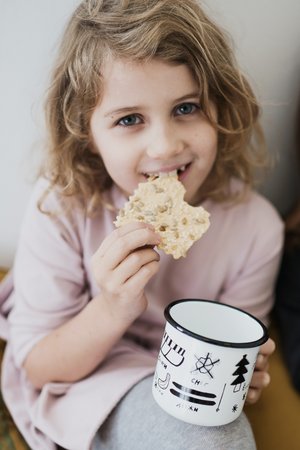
(159, 201)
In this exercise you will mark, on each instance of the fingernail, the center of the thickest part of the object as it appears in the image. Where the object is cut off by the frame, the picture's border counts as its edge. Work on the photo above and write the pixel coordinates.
(158, 237)
(260, 359)
(149, 225)
(251, 394)
(266, 379)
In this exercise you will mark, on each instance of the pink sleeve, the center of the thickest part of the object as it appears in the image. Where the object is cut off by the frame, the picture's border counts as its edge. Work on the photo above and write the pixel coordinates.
(49, 279)
(251, 287)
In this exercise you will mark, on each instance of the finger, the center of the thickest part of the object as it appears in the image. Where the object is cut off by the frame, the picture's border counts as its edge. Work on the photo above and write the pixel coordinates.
(262, 362)
(141, 278)
(253, 396)
(265, 352)
(128, 243)
(260, 380)
(267, 348)
(133, 263)
(119, 233)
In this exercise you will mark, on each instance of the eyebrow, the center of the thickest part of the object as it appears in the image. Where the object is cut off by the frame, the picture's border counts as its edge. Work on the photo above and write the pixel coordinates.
(126, 109)
(134, 108)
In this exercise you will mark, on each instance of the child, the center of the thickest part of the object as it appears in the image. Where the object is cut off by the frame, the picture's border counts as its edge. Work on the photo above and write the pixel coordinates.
(138, 88)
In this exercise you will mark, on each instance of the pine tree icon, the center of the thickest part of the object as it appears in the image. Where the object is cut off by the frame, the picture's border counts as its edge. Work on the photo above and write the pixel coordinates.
(240, 371)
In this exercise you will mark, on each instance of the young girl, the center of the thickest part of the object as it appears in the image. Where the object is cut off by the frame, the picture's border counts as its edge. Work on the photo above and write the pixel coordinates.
(139, 87)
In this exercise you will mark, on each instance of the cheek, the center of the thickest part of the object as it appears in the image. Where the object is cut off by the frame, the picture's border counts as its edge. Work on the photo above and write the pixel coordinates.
(115, 157)
(214, 150)
(212, 141)
(207, 143)
(104, 146)
(112, 159)
(110, 146)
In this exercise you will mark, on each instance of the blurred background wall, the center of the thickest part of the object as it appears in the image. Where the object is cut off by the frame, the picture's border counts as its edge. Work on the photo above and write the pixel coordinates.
(266, 36)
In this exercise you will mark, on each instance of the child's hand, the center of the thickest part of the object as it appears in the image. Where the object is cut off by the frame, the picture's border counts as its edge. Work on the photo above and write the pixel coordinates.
(261, 377)
(123, 265)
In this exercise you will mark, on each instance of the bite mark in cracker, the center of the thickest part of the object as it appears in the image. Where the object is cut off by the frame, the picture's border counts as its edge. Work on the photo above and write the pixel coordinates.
(159, 201)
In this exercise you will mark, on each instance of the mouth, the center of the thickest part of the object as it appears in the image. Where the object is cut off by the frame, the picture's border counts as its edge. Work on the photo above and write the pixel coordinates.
(179, 171)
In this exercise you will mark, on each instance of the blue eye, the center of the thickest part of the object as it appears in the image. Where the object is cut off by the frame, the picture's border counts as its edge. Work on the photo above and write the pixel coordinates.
(129, 121)
(186, 108)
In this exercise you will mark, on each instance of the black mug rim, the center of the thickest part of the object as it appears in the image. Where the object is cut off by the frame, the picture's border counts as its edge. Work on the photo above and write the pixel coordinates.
(249, 344)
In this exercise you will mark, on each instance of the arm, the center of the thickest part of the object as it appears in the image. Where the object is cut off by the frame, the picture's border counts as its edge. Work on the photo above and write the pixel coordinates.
(252, 286)
(123, 265)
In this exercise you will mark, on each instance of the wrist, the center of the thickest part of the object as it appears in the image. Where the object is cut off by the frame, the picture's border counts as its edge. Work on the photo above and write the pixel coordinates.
(121, 314)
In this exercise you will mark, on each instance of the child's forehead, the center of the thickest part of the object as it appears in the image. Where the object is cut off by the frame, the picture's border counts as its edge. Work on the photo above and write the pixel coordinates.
(119, 70)
(136, 80)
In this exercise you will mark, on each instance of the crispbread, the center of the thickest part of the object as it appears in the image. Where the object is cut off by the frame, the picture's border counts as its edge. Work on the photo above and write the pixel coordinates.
(159, 201)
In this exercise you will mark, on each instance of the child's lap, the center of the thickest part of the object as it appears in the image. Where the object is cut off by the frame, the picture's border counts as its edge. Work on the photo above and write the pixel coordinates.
(139, 423)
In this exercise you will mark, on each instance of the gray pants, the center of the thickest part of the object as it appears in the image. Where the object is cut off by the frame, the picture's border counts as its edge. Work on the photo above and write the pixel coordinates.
(138, 423)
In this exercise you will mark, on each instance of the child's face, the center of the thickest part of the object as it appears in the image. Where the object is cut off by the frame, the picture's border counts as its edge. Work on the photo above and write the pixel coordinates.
(149, 121)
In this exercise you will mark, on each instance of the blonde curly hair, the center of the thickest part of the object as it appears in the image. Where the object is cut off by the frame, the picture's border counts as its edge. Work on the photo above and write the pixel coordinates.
(175, 31)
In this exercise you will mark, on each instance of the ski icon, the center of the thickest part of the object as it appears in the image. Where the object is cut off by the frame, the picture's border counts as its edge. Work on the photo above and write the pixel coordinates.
(192, 395)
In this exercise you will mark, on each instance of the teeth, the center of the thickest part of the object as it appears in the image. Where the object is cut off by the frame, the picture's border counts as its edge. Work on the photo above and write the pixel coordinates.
(170, 174)
(161, 174)
(182, 168)
(166, 174)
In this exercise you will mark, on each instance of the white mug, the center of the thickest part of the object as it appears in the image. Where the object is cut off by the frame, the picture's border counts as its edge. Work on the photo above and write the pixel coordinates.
(206, 361)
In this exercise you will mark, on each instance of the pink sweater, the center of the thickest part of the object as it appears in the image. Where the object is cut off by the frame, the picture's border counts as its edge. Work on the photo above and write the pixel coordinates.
(235, 262)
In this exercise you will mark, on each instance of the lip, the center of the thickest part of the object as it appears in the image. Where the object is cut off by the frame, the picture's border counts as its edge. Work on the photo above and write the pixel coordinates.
(168, 169)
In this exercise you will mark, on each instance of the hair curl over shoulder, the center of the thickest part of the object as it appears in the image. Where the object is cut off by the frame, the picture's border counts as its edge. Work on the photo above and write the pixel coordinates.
(176, 31)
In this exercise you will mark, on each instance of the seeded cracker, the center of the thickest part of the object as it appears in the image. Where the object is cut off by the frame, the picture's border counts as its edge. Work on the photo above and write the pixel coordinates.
(159, 201)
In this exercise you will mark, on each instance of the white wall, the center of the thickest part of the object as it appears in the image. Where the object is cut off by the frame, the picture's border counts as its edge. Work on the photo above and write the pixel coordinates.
(266, 34)
(29, 32)
(267, 39)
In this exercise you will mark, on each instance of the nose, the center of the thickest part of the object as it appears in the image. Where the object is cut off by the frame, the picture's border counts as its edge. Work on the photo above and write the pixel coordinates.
(164, 142)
